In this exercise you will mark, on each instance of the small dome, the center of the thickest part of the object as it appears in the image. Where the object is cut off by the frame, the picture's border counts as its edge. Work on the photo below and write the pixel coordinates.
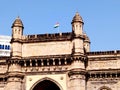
(77, 18)
(18, 23)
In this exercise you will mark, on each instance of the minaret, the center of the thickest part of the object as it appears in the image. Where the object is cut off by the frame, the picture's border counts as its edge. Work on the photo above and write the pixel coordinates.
(17, 32)
(15, 75)
(77, 68)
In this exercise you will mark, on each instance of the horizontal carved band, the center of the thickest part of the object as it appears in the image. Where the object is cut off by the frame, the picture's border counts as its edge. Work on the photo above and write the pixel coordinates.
(76, 72)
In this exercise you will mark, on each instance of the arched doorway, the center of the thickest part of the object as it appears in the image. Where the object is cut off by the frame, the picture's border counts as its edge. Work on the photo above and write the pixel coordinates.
(104, 88)
(46, 85)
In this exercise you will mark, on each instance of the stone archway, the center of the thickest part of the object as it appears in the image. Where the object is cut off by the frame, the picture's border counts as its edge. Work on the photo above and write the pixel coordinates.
(46, 84)
(104, 88)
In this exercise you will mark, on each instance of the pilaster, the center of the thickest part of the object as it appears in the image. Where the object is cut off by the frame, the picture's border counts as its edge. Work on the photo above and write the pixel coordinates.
(77, 74)
(14, 76)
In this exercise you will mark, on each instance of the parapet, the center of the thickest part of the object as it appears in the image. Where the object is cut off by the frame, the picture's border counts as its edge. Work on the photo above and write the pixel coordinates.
(104, 52)
(47, 37)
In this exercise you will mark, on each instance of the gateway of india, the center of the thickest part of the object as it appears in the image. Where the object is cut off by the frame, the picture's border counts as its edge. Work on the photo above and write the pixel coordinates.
(59, 61)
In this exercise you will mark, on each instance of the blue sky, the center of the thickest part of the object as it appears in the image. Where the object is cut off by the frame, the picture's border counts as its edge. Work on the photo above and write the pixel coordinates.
(101, 18)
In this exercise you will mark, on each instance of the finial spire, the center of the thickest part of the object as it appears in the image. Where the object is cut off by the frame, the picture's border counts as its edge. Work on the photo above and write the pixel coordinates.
(18, 17)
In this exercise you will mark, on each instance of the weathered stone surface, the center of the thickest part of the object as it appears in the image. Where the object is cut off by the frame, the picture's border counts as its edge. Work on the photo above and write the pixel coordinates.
(61, 58)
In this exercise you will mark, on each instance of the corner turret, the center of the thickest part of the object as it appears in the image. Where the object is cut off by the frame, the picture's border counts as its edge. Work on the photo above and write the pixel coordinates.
(17, 33)
(15, 75)
(77, 30)
(77, 68)
(77, 24)
(17, 28)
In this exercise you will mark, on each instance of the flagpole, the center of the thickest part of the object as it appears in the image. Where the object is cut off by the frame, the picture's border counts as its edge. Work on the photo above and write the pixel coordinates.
(57, 26)
(58, 30)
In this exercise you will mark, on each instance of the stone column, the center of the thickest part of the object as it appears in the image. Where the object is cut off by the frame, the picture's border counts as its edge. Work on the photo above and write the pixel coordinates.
(77, 75)
(77, 81)
(14, 77)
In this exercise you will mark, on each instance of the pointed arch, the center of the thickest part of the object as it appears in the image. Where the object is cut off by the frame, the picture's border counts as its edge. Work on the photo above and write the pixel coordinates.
(104, 88)
(45, 80)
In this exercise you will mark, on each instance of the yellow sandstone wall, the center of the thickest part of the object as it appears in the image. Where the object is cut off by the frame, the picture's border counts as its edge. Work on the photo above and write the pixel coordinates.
(46, 48)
